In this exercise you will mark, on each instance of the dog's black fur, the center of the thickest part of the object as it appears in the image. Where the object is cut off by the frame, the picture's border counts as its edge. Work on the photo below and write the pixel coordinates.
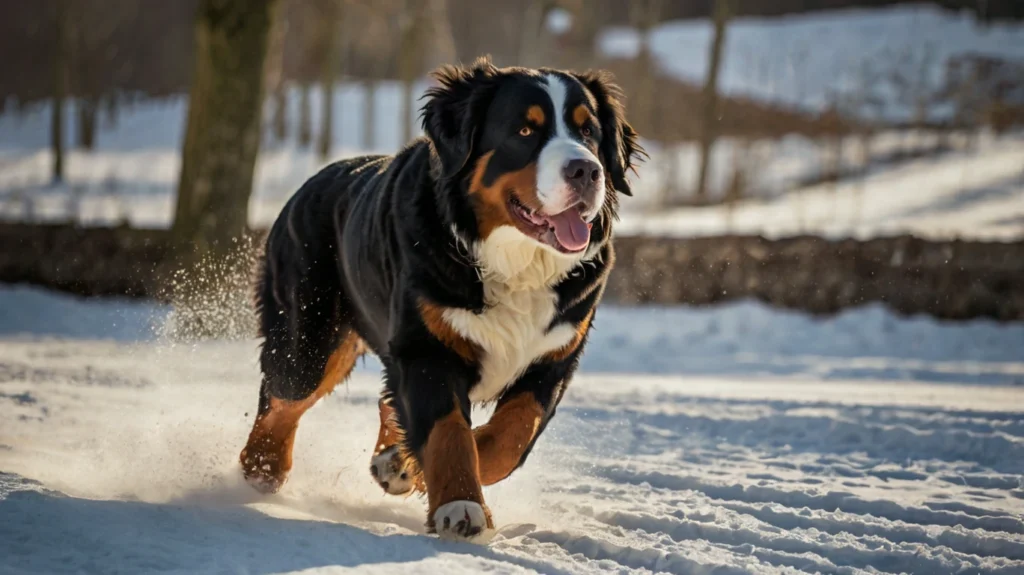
(367, 238)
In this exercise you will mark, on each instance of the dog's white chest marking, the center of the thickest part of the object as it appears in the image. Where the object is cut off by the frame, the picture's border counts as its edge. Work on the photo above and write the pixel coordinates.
(512, 332)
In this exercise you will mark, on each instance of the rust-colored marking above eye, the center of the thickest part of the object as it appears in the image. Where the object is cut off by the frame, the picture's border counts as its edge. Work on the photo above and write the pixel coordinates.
(536, 115)
(581, 114)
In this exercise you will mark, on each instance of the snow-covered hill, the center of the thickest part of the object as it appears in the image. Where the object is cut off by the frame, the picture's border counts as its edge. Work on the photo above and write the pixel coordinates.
(806, 60)
(733, 439)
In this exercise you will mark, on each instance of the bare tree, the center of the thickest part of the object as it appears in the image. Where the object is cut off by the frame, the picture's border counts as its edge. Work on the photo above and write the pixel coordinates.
(331, 45)
(110, 107)
(586, 24)
(223, 131)
(305, 136)
(709, 113)
(372, 21)
(93, 63)
(440, 33)
(644, 16)
(410, 29)
(60, 88)
(274, 70)
(530, 46)
(426, 40)
(370, 115)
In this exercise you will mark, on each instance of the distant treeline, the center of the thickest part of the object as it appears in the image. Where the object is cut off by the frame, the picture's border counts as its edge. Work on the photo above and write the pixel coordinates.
(146, 46)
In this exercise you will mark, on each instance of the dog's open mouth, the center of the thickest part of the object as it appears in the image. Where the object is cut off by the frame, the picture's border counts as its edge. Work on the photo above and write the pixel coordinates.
(567, 231)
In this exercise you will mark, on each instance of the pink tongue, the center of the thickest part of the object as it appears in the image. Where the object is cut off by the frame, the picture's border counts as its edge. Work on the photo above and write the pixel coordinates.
(570, 229)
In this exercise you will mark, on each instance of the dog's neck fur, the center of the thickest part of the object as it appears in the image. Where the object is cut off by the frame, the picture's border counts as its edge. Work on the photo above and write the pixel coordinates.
(509, 261)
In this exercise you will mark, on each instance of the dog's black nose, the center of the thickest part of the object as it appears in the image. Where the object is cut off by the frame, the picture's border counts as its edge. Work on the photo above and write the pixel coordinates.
(581, 172)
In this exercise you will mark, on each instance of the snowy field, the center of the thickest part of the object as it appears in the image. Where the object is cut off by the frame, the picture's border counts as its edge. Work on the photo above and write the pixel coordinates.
(732, 439)
(805, 60)
(968, 195)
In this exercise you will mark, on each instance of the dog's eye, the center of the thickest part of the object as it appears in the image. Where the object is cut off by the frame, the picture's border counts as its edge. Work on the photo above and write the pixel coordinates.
(525, 131)
(585, 131)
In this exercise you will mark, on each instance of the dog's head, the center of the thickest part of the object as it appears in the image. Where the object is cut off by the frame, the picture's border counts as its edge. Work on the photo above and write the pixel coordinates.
(541, 154)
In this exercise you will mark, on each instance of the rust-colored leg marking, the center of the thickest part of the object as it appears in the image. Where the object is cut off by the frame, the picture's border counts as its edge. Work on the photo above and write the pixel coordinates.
(267, 456)
(451, 467)
(502, 441)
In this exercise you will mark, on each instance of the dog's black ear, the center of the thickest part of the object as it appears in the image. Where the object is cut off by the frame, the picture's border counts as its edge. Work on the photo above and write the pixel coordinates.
(620, 146)
(454, 108)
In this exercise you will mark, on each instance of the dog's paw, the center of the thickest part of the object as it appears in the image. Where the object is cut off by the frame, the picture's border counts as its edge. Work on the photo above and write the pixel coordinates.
(463, 521)
(263, 473)
(392, 472)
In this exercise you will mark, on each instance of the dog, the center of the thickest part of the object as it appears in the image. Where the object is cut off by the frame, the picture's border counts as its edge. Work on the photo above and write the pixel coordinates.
(471, 263)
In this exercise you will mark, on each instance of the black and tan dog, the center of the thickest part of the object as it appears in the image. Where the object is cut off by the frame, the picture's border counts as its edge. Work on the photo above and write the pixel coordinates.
(471, 263)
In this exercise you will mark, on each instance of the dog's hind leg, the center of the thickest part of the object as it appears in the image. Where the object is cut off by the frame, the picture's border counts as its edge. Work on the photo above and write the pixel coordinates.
(309, 347)
(267, 456)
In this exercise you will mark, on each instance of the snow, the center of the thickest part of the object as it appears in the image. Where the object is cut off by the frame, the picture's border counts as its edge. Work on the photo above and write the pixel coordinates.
(805, 60)
(730, 439)
(965, 194)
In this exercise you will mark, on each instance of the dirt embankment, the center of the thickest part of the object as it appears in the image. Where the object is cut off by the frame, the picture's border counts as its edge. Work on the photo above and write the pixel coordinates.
(945, 279)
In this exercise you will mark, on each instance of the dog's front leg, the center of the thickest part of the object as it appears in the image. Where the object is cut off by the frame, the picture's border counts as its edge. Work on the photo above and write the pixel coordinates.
(504, 442)
(522, 413)
(433, 408)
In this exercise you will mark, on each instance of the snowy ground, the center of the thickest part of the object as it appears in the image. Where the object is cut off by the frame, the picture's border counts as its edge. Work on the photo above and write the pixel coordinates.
(734, 439)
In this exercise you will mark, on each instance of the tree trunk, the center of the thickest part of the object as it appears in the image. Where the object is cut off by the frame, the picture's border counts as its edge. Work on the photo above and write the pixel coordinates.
(369, 116)
(87, 112)
(586, 26)
(328, 75)
(709, 115)
(410, 58)
(323, 144)
(223, 132)
(111, 105)
(409, 100)
(532, 31)
(644, 15)
(280, 118)
(273, 69)
(441, 32)
(60, 89)
(305, 124)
